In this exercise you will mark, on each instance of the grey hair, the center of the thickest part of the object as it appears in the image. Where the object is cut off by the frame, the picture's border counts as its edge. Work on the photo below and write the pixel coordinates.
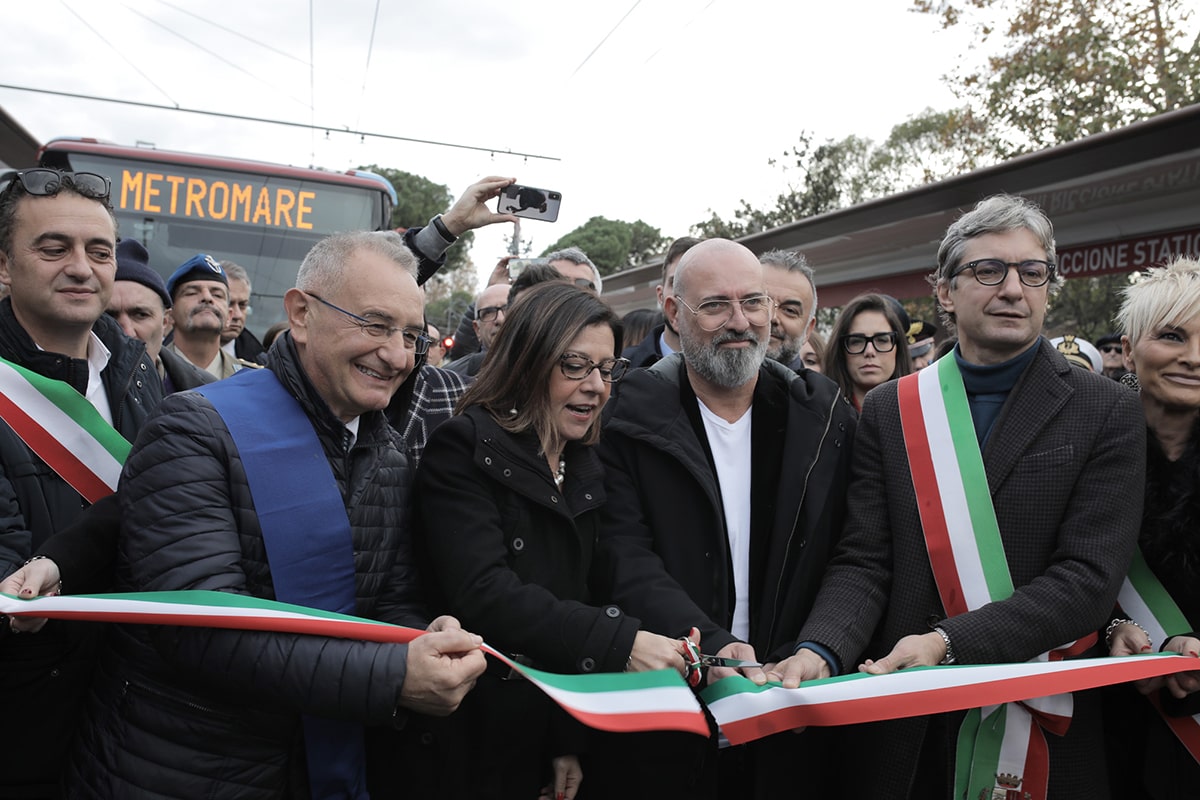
(1167, 295)
(999, 213)
(235, 272)
(792, 261)
(324, 266)
(577, 256)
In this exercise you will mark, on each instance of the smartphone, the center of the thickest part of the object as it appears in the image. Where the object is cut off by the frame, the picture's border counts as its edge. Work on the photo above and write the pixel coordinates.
(526, 201)
(518, 265)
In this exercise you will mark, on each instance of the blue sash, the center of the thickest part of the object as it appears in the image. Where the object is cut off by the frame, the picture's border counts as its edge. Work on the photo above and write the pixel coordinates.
(307, 537)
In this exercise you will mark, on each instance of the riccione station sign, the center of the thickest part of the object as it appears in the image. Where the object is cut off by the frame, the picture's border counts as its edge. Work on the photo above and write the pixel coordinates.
(239, 198)
(1127, 255)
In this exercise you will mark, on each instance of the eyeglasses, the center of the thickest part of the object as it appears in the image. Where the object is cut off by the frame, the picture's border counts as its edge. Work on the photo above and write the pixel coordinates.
(1110, 348)
(856, 343)
(711, 315)
(488, 313)
(49, 182)
(993, 271)
(576, 367)
(414, 338)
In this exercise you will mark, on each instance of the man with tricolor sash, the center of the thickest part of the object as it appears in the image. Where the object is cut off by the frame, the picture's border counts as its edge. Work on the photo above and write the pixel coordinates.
(983, 529)
(284, 483)
(73, 392)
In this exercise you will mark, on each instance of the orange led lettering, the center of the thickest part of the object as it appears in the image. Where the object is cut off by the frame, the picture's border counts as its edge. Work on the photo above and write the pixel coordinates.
(240, 196)
(285, 200)
(263, 208)
(152, 192)
(175, 180)
(303, 209)
(195, 196)
(218, 210)
(131, 181)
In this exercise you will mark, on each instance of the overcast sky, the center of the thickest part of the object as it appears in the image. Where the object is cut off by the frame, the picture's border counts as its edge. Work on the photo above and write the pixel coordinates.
(677, 111)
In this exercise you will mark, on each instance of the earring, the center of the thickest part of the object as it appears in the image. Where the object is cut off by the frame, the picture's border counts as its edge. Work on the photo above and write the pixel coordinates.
(1130, 379)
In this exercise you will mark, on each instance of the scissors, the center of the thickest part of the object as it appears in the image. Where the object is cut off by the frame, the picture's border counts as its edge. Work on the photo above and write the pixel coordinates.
(697, 661)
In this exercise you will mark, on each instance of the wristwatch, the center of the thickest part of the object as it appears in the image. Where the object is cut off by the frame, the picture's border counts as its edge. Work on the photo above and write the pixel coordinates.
(949, 657)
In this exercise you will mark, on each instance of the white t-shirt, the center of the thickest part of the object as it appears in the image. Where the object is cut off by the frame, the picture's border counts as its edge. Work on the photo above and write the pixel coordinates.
(730, 444)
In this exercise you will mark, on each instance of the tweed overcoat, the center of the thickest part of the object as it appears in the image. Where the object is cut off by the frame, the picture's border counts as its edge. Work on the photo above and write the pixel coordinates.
(1065, 470)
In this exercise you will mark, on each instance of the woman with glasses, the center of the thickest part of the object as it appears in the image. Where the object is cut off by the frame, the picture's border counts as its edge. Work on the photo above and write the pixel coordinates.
(1161, 314)
(507, 500)
(868, 346)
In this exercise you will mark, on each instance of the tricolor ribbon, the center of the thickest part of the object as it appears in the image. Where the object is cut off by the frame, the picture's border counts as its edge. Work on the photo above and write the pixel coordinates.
(966, 554)
(622, 701)
(63, 429)
(746, 712)
(1143, 598)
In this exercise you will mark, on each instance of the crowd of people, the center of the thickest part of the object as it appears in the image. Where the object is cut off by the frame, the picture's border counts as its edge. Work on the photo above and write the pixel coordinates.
(586, 494)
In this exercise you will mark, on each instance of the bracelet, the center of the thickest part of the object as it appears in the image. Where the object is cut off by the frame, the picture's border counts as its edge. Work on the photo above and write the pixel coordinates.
(29, 561)
(1116, 623)
(949, 657)
(442, 230)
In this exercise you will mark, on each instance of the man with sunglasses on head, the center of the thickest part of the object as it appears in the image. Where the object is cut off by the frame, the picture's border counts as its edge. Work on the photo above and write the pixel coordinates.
(979, 466)
(85, 379)
(726, 475)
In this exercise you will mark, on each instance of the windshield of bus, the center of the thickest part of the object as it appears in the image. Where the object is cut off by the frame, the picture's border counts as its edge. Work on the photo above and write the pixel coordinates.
(265, 223)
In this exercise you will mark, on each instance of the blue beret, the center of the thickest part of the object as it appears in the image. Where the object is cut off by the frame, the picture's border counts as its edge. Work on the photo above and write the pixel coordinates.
(133, 264)
(200, 267)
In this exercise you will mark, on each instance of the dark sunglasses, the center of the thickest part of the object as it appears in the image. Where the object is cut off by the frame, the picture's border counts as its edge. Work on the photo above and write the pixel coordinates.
(49, 182)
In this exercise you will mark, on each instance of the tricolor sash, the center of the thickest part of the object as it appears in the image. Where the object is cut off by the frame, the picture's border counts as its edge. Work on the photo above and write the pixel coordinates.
(1144, 599)
(307, 537)
(1000, 747)
(63, 429)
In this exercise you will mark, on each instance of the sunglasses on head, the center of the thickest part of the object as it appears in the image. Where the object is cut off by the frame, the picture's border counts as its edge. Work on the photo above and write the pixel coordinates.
(49, 182)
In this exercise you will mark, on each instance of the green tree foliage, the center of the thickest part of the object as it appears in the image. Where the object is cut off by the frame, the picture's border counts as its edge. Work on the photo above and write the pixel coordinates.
(1086, 307)
(419, 199)
(613, 244)
(1059, 70)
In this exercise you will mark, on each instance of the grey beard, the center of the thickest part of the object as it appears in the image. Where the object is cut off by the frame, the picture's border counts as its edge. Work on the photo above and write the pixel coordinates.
(727, 368)
(786, 353)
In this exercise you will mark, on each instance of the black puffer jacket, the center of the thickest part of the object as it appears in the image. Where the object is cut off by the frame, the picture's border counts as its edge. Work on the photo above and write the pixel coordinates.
(192, 712)
(43, 678)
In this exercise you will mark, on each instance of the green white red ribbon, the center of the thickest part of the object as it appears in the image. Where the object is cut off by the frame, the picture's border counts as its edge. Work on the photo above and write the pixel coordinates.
(746, 712)
(966, 554)
(63, 429)
(1144, 599)
(624, 701)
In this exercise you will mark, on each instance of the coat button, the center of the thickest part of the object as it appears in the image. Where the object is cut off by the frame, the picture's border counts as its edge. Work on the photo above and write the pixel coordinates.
(613, 611)
(143, 368)
(588, 664)
(841, 426)
(508, 473)
(932, 619)
(139, 384)
(518, 544)
(54, 673)
(587, 497)
(553, 498)
(426, 738)
(487, 460)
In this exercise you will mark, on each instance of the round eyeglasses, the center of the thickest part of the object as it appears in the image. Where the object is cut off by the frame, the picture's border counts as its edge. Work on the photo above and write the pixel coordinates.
(414, 339)
(993, 271)
(712, 315)
(856, 343)
(576, 367)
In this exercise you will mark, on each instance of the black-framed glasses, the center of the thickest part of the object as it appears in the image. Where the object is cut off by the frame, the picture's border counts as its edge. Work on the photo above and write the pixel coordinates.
(711, 315)
(43, 182)
(576, 367)
(488, 313)
(1110, 348)
(415, 339)
(993, 271)
(856, 343)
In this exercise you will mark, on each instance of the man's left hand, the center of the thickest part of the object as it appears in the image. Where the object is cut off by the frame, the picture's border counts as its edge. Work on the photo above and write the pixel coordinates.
(742, 652)
(471, 212)
(915, 650)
